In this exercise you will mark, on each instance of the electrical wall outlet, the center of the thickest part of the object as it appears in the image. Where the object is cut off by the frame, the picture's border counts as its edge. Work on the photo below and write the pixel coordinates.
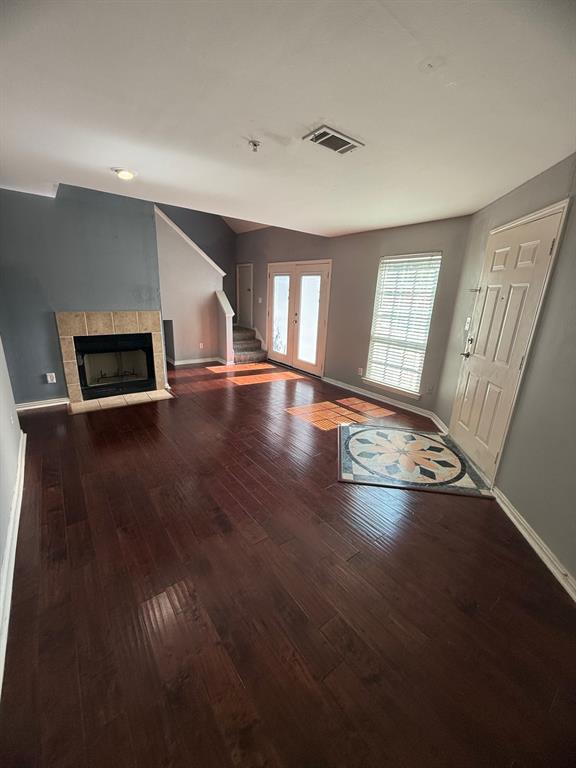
(201, 345)
(51, 378)
(259, 299)
(360, 371)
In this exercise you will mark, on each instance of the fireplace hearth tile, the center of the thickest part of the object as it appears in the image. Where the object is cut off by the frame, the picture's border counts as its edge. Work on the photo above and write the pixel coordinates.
(159, 394)
(99, 323)
(71, 323)
(159, 371)
(85, 406)
(149, 322)
(67, 347)
(157, 344)
(71, 374)
(117, 401)
(75, 393)
(125, 322)
(137, 397)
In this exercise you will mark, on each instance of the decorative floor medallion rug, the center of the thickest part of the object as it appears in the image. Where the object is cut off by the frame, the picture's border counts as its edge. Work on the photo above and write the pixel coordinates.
(405, 458)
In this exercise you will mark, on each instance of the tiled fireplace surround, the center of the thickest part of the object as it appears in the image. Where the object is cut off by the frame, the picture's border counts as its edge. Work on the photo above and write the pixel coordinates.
(72, 324)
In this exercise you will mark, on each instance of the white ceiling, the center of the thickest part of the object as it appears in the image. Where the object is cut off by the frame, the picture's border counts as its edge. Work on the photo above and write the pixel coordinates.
(174, 90)
(240, 225)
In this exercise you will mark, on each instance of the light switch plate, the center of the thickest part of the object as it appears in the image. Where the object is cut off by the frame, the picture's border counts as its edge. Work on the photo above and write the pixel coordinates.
(51, 378)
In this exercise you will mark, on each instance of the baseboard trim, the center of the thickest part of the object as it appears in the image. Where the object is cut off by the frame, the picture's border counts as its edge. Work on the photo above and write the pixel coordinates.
(42, 404)
(195, 360)
(7, 575)
(389, 401)
(566, 579)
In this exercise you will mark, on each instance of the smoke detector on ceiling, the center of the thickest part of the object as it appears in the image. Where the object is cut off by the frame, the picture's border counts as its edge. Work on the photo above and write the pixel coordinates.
(334, 140)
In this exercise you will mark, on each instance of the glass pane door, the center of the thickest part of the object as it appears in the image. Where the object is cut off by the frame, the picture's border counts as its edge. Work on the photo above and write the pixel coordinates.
(297, 314)
(280, 314)
(310, 290)
(308, 316)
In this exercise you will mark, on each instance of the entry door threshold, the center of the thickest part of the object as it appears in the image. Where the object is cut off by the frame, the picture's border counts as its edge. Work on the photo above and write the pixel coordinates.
(293, 368)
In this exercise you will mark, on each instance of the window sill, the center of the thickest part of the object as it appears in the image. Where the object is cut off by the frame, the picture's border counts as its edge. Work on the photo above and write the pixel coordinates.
(393, 390)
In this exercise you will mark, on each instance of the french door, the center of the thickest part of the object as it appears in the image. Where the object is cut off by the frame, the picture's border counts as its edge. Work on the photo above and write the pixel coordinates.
(298, 296)
(516, 268)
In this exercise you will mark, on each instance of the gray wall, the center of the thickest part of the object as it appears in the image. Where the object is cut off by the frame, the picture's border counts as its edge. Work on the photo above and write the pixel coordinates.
(355, 260)
(214, 236)
(82, 250)
(9, 449)
(188, 285)
(536, 471)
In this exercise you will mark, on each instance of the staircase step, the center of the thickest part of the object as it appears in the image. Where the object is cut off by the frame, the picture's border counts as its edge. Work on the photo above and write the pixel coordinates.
(257, 356)
(243, 334)
(248, 345)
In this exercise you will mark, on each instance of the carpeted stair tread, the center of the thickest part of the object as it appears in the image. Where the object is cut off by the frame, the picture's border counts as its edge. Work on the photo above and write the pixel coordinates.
(243, 334)
(248, 345)
(255, 356)
(247, 348)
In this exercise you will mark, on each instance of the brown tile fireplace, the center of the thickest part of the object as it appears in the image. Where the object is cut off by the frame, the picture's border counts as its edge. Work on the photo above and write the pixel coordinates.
(106, 354)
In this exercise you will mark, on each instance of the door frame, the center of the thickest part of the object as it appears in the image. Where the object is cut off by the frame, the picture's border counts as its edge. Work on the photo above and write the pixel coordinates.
(322, 332)
(238, 268)
(560, 207)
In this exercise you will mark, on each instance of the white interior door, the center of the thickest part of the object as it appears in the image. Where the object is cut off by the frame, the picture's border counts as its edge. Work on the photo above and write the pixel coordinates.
(516, 268)
(298, 297)
(244, 295)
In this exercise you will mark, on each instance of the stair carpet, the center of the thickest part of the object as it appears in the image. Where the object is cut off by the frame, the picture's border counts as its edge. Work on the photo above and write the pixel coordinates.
(247, 348)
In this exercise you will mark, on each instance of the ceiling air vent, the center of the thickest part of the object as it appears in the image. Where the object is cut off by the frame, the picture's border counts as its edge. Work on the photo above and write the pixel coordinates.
(333, 140)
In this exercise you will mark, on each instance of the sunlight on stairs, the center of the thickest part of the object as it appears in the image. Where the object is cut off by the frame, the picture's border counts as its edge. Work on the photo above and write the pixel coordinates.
(247, 348)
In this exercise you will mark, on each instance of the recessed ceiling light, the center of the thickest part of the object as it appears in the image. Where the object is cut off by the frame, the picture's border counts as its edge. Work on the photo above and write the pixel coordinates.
(124, 173)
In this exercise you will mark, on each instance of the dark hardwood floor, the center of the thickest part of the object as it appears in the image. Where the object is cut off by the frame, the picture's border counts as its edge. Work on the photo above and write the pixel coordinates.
(193, 588)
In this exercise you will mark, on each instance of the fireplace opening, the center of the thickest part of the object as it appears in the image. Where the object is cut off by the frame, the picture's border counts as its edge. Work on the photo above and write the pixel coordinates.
(114, 367)
(115, 364)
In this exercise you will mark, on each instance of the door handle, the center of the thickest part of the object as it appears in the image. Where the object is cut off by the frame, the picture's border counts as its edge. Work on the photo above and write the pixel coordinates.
(465, 354)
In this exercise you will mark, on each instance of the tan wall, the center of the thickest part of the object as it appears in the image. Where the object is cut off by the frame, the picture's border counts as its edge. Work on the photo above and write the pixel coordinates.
(355, 260)
(536, 472)
(187, 290)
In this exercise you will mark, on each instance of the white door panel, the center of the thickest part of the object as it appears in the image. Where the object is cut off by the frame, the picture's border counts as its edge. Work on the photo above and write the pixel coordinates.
(516, 269)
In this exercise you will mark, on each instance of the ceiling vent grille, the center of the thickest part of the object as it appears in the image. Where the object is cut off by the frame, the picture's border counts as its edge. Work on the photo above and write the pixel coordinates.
(334, 140)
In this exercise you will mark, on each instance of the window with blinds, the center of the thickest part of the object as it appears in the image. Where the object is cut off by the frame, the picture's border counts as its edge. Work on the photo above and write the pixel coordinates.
(403, 307)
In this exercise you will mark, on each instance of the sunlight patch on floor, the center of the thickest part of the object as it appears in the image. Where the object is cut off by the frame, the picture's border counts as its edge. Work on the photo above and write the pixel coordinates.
(328, 415)
(370, 409)
(263, 378)
(238, 367)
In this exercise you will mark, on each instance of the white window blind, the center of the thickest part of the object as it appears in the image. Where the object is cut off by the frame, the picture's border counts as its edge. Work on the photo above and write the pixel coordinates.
(403, 306)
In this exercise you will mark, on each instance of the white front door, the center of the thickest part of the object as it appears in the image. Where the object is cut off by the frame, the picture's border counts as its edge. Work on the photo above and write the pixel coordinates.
(244, 295)
(298, 295)
(516, 269)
